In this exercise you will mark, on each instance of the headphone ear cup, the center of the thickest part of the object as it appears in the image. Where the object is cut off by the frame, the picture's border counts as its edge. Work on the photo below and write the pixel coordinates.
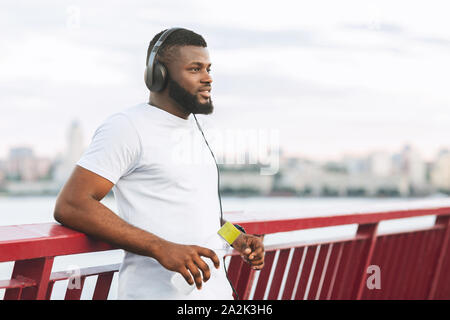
(158, 81)
(159, 77)
(147, 78)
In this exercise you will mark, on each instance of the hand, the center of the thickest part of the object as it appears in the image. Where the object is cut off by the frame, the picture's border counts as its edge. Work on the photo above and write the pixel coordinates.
(186, 260)
(251, 249)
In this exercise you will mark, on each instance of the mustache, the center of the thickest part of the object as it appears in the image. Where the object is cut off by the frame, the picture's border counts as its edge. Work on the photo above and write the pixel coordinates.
(205, 88)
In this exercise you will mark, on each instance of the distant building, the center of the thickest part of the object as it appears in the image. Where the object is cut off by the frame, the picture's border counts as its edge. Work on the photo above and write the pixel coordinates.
(23, 165)
(2, 172)
(377, 174)
(312, 179)
(380, 164)
(355, 165)
(244, 180)
(20, 164)
(413, 168)
(65, 163)
(440, 172)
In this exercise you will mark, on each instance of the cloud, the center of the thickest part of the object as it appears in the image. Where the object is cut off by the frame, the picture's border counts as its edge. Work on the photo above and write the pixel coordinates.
(443, 42)
(230, 38)
(375, 26)
(273, 85)
(399, 32)
(317, 70)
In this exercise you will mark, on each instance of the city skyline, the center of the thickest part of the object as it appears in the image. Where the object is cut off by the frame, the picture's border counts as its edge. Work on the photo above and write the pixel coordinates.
(53, 154)
(377, 174)
(85, 140)
(253, 164)
(76, 142)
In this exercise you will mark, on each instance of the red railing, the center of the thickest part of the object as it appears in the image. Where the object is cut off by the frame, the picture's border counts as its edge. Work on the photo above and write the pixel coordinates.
(412, 264)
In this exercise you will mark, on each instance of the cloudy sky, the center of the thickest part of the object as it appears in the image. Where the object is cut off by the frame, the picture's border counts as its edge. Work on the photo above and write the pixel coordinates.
(334, 77)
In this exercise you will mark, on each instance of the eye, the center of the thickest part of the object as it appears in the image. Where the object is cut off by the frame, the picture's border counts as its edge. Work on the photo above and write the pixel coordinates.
(195, 69)
(208, 70)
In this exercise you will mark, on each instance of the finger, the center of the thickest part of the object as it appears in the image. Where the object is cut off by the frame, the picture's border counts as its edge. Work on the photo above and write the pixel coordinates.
(254, 261)
(205, 252)
(203, 267)
(196, 274)
(245, 259)
(249, 257)
(255, 243)
(257, 262)
(258, 267)
(187, 276)
(245, 248)
(258, 253)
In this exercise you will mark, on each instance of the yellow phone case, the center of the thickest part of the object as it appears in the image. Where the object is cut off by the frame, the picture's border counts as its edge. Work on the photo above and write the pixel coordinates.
(229, 232)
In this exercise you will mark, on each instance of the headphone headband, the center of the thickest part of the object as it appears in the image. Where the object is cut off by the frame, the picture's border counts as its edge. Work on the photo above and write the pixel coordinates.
(155, 49)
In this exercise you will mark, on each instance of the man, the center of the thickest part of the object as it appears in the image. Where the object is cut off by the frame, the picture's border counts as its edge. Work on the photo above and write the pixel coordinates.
(169, 211)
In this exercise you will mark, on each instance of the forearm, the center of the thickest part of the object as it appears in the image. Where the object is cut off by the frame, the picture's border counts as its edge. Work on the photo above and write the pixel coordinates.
(95, 219)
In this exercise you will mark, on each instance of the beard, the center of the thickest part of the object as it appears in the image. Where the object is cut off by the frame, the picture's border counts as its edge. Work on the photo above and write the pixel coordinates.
(188, 101)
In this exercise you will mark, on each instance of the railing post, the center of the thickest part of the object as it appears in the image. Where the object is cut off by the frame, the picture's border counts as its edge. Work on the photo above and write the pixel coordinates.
(445, 222)
(245, 281)
(368, 231)
(74, 293)
(39, 270)
(102, 286)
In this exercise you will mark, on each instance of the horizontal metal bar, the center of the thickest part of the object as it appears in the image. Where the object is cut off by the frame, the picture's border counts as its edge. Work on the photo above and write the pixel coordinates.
(17, 283)
(284, 225)
(85, 272)
(53, 239)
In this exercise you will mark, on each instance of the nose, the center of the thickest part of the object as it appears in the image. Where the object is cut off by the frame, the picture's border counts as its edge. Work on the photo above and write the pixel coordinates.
(207, 78)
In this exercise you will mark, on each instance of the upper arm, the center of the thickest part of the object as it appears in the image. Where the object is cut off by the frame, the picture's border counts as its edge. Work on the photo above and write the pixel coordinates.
(113, 152)
(81, 186)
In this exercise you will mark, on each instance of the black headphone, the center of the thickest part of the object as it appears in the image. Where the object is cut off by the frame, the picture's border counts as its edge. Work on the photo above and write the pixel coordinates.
(156, 73)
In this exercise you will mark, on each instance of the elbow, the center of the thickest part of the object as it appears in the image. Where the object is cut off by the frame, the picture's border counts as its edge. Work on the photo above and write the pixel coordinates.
(62, 211)
(58, 212)
(70, 213)
(57, 215)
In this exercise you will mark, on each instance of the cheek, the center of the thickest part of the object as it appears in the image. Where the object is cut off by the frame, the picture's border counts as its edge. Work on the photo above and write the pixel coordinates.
(190, 82)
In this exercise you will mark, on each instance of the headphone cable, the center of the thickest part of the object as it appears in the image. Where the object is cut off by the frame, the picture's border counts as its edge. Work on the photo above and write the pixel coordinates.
(220, 200)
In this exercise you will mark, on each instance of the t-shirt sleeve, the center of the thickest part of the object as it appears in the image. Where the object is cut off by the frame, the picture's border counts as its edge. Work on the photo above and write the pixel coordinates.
(114, 150)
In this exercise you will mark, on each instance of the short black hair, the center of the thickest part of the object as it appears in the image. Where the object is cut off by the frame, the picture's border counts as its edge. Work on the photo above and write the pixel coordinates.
(178, 38)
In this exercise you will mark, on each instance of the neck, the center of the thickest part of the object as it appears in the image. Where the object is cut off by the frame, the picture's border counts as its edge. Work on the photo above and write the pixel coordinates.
(167, 104)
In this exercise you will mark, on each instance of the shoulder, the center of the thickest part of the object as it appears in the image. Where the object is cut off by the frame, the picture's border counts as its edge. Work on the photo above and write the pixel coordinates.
(123, 121)
(118, 129)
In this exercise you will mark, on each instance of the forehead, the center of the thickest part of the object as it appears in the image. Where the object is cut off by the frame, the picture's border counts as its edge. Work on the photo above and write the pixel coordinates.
(189, 54)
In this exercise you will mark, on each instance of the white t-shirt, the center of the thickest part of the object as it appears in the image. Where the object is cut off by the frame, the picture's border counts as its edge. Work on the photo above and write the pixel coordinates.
(165, 182)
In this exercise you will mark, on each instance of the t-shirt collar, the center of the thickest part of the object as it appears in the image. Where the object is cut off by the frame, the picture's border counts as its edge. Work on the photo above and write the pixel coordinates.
(169, 116)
